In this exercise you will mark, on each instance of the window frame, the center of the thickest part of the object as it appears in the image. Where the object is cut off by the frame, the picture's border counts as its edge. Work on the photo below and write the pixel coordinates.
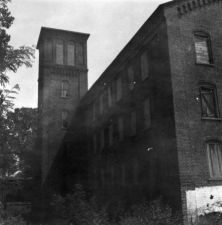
(211, 87)
(203, 34)
(144, 67)
(60, 41)
(71, 43)
(65, 89)
(210, 164)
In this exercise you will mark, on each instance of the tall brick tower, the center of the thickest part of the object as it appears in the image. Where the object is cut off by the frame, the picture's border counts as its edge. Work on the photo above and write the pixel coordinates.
(61, 84)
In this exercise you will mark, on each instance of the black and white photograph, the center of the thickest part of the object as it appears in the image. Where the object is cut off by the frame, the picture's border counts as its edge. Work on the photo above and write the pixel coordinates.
(111, 112)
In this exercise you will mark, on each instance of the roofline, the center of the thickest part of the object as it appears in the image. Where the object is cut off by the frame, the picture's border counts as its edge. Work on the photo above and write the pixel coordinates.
(115, 60)
(60, 30)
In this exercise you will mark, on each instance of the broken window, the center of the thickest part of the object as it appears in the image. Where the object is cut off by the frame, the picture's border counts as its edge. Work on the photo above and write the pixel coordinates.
(209, 105)
(214, 153)
(203, 48)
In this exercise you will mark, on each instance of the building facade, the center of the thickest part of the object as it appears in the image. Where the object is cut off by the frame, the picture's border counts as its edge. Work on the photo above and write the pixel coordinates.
(151, 124)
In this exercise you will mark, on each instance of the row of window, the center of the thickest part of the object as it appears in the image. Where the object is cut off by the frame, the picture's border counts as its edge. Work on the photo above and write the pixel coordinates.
(118, 128)
(118, 175)
(114, 91)
(66, 53)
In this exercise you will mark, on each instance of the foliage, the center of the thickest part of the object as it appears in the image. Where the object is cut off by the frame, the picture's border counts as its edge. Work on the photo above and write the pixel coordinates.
(8, 219)
(77, 209)
(17, 139)
(12, 220)
(10, 58)
(150, 213)
(13, 135)
(214, 218)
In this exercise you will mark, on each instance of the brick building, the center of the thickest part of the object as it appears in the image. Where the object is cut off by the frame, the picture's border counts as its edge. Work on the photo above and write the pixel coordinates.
(151, 123)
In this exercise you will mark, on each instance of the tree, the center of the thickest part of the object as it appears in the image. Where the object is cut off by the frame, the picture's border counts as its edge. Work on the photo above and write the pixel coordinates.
(10, 58)
(15, 137)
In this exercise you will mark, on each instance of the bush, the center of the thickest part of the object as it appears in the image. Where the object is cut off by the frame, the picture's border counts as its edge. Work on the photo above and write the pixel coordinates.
(152, 213)
(79, 210)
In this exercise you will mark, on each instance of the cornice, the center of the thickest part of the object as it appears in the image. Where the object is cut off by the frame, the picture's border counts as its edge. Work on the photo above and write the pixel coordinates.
(189, 6)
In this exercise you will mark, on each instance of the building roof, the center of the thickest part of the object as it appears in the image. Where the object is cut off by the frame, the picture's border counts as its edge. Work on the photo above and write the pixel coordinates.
(47, 30)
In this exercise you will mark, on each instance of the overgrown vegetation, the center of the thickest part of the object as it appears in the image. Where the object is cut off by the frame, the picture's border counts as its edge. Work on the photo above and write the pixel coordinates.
(16, 134)
(79, 210)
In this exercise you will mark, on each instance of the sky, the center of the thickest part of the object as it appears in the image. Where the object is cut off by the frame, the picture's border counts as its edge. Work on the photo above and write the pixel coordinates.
(110, 23)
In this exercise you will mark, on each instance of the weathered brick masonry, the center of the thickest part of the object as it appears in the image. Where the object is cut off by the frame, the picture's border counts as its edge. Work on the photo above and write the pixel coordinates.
(141, 131)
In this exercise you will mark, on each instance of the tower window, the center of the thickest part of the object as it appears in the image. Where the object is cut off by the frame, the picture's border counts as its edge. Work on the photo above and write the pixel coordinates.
(71, 54)
(144, 66)
(65, 89)
(209, 106)
(64, 119)
(48, 50)
(59, 52)
(79, 54)
(203, 48)
(214, 154)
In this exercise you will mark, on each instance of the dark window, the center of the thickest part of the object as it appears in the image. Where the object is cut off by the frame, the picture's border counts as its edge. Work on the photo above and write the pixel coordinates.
(203, 48)
(102, 139)
(109, 92)
(65, 89)
(64, 119)
(214, 154)
(71, 54)
(209, 104)
(120, 128)
(59, 52)
(101, 103)
(144, 66)
(110, 134)
(95, 143)
(118, 88)
(79, 54)
(147, 118)
(131, 81)
(133, 123)
(48, 50)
